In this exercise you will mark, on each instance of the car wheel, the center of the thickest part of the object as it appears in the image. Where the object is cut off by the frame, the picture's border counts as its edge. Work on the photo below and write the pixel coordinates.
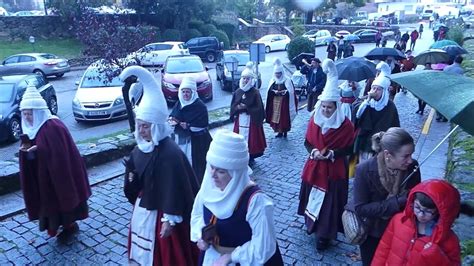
(210, 57)
(15, 129)
(267, 49)
(53, 105)
(39, 72)
(59, 75)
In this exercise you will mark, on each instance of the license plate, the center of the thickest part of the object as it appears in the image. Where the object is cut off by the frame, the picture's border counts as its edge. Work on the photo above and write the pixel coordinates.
(63, 64)
(98, 113)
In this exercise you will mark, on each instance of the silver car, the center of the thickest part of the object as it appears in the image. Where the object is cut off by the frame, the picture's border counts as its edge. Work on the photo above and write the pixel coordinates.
(40, 63)
(98, 99)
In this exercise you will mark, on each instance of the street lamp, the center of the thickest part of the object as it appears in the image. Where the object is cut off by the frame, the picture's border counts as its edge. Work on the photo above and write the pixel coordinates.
(232, 65)
(32, 41)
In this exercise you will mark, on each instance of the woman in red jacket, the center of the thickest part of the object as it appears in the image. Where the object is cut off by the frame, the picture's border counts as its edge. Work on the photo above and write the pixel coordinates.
(422, 234)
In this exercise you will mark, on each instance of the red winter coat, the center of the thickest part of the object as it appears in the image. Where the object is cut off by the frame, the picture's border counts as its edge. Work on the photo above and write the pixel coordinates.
(400, 244)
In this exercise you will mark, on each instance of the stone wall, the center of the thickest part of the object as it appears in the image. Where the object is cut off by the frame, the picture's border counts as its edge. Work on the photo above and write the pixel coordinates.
(38, 26)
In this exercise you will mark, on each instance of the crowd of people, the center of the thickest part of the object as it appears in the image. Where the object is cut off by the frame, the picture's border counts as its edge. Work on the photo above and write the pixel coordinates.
(194, 202)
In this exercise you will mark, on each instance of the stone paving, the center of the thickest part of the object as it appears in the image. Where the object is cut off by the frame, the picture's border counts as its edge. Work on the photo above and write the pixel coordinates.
(103, 236)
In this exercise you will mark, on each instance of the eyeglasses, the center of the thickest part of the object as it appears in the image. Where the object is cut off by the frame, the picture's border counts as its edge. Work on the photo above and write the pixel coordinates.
(418, 210)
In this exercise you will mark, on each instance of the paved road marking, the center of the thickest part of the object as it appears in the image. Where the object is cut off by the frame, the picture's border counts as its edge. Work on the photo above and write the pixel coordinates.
(426, 126)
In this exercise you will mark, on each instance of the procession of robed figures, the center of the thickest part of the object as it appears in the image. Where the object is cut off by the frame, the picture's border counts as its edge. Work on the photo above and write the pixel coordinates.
(194, 201)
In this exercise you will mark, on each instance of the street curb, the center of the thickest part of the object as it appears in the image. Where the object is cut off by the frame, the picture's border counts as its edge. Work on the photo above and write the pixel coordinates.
(93, 154)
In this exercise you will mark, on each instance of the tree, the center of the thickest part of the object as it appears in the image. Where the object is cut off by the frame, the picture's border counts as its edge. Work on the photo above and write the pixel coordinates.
(69, 9)
(246, 9)
(143, 6)
(288, 5)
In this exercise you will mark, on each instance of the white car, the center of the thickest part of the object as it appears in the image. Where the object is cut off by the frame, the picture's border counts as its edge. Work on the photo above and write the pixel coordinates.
(274, 42)
(341, 33)
(317, 36)
(155, 54)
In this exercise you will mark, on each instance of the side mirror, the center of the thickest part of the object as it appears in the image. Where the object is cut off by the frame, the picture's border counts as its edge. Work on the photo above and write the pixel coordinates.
(77, 82)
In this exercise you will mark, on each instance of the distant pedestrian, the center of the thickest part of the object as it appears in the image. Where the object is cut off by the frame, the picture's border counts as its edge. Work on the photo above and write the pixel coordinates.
(348, 49)
(159, 182)
(441, 34)
(420, 30)
(422, 234)
(282, 104)
(398, 46)
(340, 47)
(324, 185)
(331, 50)
(405, 37)
(248, 113)
(316, 80)
(384, 41)
(378, 38)
(413, 37)
(52, 172)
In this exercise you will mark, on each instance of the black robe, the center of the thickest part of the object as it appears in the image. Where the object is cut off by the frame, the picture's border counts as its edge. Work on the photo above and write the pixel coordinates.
(195, 115)
(166, 181)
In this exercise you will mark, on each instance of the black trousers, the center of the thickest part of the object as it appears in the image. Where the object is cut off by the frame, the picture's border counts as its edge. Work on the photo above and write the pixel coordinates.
(367, 249)
(312, 99)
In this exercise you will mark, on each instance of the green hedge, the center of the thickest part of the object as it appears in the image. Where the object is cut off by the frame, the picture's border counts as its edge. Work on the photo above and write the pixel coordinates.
(456, 34)
(207, 29)
(191, 33)
(171, 35)
(195, 24)
(300, 45)
(229, 29)
(222, 37)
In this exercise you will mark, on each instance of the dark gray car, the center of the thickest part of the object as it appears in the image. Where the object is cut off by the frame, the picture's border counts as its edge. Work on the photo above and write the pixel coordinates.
(39, 63)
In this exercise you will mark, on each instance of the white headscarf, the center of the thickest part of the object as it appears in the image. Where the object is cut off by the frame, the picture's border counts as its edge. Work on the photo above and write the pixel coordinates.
(248, 72)
(334, 122)
(381, 81)
(228, 151)
(32, 100)
(187, 83)
(158, 132)
(278, 68)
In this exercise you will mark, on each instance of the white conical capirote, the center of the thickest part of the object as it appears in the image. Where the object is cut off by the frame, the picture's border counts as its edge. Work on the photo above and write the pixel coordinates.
(32, 99)
(152, 107)
(331, 90)
(277, 66)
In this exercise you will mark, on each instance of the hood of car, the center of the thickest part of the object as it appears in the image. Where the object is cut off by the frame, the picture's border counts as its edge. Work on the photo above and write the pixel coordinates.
(176, 78)
(99, 94)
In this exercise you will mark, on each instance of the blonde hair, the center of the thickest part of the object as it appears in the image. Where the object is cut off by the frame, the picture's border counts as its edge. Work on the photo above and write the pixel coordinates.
(391, 140)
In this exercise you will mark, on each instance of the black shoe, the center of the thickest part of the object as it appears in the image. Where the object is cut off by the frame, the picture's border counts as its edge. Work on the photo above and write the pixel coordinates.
(444, 120)
(68, 232)
(438, 118)
(279, 135)
(322, 244)
(417, 112)
(251, 161)
(285, 134)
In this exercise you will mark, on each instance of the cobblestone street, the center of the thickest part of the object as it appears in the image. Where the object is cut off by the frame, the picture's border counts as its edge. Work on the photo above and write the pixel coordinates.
(103, 236)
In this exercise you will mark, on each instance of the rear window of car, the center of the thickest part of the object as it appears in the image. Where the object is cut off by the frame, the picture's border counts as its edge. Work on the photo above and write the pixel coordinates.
(48, 56)
(6, 92)
(242, 58)
(94, 78)
(184, 65)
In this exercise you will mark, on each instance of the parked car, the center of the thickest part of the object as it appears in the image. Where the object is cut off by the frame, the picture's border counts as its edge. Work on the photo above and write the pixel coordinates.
(40, 63)
(341, 33)
(176, 68)
(317, 36)
(98, 98)
(365, 35)
(224, 75)
(207, 48)
(12, 89)
(274, 42)
(155, 54)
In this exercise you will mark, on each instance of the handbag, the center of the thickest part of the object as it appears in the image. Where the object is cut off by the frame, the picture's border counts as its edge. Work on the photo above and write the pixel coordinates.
(355, 230)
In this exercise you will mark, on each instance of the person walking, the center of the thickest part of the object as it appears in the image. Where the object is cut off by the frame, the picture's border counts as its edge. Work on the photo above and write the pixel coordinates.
(340, 47)
(420, 29)
(324, 185)
(348, 49)
(282, 104)
(331, 50)
(248, 113)
(53, 175)
(378, 38)
(422, 234)
(232, 218)
(376, 113)
(190, 120)
(159, 182)
(413, 37)
(380, 190)
(316, 81)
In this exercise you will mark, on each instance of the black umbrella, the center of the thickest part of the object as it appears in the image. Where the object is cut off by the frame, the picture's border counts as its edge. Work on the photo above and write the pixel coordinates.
(454, 50)
(297, 59)
(355, 68)
(383, 53)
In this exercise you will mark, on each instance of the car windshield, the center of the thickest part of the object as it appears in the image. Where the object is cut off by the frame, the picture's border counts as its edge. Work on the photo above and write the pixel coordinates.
(48, 56)
(94, 78)
(242, 58)
(184, 65)
(6, 92)
(266, 38)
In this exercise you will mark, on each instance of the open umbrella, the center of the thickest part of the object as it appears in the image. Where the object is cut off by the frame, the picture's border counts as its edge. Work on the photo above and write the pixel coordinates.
(383, 53)
(297, 60)
(451, 95)
(329, 39)
(442, 43)
(351, 37)
(437, 26)
(454, 50)
(431, 56)
(355, 68)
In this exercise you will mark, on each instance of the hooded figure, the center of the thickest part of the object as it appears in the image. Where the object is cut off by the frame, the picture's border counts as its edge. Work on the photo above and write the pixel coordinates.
(376, 113)
(160, 182)
(229, 201)
(52, 173)
(282, 104)
(190, 120)
(324, 185)
(402, 242)
(247, 111)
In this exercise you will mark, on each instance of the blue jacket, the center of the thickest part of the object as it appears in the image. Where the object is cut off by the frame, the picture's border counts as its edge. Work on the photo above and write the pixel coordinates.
(315, 79)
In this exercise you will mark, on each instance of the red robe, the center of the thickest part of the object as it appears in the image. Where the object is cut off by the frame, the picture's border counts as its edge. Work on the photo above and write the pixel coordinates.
(284, 125)
(56, 180)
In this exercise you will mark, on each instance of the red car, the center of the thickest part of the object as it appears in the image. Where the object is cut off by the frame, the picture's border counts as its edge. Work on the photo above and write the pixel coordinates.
(180, 66)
